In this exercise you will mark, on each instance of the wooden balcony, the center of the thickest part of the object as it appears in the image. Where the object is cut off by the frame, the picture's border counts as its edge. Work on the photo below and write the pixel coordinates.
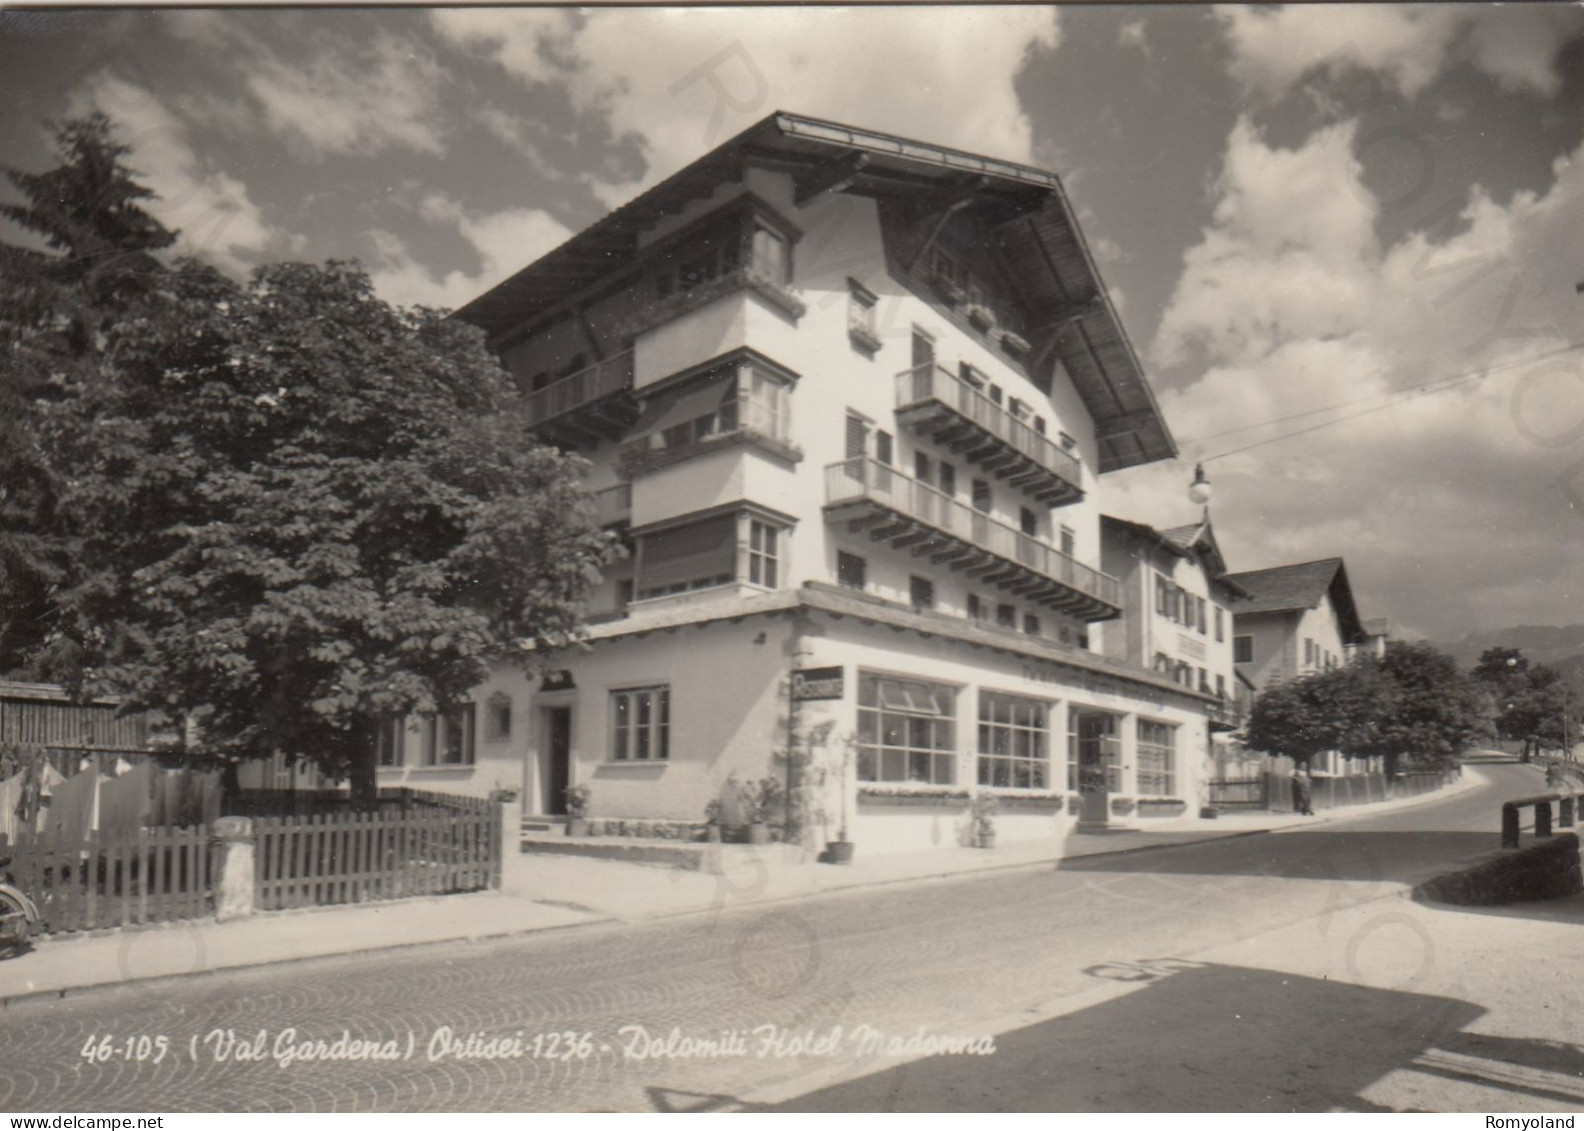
(950, 411)
(585, 407)
(1227, 714)
(871, 496)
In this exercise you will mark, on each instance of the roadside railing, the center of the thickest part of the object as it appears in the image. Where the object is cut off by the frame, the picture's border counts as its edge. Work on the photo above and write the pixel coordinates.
(1541, 804)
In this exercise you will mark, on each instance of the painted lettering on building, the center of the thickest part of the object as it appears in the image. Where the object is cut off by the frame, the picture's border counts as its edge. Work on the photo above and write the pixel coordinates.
(818, 683)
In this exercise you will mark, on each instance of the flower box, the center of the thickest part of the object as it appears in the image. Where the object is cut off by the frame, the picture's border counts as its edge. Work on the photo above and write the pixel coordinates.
(981, 317)
(1014, 343)
(1121, 806)
(1161, 807)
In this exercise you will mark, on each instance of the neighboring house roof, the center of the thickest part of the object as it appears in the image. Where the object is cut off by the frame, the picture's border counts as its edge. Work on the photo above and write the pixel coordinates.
(1185, 542)
(1290, 588)
(1028, 207)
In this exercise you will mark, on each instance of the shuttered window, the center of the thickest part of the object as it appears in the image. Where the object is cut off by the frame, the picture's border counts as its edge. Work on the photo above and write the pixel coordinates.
(857, 437)
(688, 557)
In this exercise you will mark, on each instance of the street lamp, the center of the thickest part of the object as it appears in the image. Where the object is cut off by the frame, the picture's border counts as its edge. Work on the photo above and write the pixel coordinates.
(1199, 491)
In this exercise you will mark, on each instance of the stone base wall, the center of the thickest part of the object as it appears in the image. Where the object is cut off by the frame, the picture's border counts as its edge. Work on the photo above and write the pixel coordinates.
(1546, 869)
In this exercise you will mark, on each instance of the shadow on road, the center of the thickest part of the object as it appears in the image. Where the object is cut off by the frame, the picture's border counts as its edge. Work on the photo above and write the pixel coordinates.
(1319, 855)
(1214, 1038)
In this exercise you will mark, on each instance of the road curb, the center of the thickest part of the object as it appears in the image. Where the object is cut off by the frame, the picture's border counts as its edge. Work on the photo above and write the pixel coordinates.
(605, 920)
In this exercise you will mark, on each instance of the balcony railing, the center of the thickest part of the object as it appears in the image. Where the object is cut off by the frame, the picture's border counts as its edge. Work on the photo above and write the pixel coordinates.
(876, 497)
(578, 401)
(952, 412)
(614, 504)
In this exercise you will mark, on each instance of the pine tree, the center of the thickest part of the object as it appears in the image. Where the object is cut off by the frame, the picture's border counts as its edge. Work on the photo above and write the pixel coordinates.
(56, 307)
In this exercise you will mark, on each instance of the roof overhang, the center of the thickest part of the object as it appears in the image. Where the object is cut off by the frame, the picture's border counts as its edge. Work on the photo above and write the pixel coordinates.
(1026, 206)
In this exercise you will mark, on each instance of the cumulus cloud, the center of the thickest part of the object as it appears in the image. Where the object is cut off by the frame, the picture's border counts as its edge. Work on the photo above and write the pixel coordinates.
(501, 241)
(1438, 368)
(683, 80)
(217, 218)
(337, 96)
(1408, 45)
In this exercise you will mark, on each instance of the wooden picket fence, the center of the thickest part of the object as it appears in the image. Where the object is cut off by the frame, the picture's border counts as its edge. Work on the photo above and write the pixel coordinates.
(328, 858)
(157, 875)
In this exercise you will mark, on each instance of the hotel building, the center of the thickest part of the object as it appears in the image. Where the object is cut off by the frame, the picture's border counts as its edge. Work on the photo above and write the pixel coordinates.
(851, 401)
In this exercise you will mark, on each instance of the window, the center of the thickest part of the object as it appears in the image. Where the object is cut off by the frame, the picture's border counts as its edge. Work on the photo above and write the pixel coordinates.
(907, 731)
(762, 553)
(1163, 663)
(1220, 625)
(883, 447)
(921, 592)
(1020, 409)
(1204, 681)
(923, 470)
(1069, 541)
(975, 609)
(624, 593)
(389, 742)
(971, 375)
(861, 305)
(1039, 425)
(1067, 442)
(1220, 686)
(694, 556)
(851, 570)
(857, 436)
(498, 718)
(1014, 741)
(1028, 521)
(981, 496)
(1006, 616)
(772, 253)
(729, 399)
(448, 737)
(641, 724)
(1242, 649)
(1162, 596)
(1157, 757)
(1031, 624)
(948, 480)
(995, 393)
(1309, 651)
(923, 349)
(1199, 615)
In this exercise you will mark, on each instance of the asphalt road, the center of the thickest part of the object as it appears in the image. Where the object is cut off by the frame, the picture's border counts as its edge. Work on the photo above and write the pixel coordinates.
(1046, 960)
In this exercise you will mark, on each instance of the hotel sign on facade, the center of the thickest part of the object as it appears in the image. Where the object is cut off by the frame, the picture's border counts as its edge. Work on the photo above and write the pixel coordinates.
(818, 683)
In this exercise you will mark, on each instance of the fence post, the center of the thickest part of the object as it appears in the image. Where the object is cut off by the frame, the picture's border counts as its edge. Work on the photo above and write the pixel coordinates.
(1509, 826)
(1543, 819)
(234, 886)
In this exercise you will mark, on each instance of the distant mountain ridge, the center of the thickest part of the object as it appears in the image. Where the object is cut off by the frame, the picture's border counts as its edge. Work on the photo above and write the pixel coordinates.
(1560, 647)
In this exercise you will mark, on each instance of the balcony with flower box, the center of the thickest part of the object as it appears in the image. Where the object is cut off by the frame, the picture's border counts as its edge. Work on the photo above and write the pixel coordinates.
(948, 410)
(869, 496)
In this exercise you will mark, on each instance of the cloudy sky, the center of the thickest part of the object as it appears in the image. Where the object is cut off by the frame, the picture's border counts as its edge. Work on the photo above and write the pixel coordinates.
(1344, 240)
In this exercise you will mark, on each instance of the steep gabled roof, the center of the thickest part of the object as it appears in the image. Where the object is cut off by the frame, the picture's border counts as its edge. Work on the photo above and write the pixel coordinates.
(1302, 586)
(1195, 539)
(1027, 207)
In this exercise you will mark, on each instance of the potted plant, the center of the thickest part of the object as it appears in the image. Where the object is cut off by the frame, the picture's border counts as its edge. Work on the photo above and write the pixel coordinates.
(758, 800)
(712, 821)
(983, 810)
(578, 798)
(1014, 343)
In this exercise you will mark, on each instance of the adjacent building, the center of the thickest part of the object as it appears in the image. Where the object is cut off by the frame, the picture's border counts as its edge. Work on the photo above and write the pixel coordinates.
(850, 401)
(1298, 620)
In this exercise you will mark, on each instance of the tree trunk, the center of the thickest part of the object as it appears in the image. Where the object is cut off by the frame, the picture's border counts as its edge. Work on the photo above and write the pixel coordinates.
(361, 766)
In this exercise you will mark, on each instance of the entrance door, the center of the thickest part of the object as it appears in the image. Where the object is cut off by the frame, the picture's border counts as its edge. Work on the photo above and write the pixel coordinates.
(1097, 762)
(558, 764)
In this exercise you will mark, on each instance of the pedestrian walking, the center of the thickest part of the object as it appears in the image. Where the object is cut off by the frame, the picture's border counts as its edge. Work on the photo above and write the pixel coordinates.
(1302, 793)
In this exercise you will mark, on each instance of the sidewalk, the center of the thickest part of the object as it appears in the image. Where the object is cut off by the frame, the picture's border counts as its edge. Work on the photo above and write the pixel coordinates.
(542, 892)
